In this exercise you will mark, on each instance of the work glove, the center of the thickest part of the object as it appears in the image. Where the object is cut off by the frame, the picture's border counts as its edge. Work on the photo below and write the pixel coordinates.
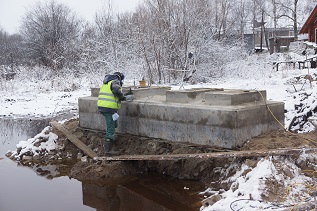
(129, 97)
(123, 98)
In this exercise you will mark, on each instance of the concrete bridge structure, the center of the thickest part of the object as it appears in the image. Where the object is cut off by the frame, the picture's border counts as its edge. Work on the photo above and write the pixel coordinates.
(225, 118)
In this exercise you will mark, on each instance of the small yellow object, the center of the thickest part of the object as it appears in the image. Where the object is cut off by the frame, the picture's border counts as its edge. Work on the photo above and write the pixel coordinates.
(142, 83)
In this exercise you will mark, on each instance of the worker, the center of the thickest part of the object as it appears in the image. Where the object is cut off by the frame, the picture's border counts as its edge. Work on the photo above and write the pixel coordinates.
(109, 102)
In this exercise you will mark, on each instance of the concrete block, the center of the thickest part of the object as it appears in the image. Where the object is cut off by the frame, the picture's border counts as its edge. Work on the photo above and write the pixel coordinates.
(234, 97)
(87, 104)
(94, 121)
(186, 96)
(227, 127)
(94, 92)
(149, 92)
(139, 93)
(233, 117)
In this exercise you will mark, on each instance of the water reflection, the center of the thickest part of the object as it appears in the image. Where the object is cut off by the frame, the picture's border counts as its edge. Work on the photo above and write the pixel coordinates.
(38, 188)
(49, 170)
(138, 192)
(13, 130)
(143, 192)
(21, 188)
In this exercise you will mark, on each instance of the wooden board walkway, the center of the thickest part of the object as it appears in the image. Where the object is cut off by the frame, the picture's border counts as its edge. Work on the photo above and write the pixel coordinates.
(74, 140)
(233, 154)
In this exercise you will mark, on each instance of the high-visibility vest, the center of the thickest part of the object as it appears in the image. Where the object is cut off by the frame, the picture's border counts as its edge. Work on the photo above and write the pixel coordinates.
(106, 98)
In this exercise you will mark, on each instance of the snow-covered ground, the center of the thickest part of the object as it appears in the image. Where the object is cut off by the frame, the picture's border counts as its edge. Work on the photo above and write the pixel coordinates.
(41, 98)
(249, 186)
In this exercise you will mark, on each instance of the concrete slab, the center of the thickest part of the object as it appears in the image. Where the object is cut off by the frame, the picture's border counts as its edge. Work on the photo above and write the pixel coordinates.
(221, 118)
(234, 97)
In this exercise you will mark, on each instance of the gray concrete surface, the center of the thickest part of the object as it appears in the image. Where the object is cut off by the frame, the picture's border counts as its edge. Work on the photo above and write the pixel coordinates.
(216, 117)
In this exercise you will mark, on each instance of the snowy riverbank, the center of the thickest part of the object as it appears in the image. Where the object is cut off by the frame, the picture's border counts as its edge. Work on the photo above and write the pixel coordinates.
(24, 98)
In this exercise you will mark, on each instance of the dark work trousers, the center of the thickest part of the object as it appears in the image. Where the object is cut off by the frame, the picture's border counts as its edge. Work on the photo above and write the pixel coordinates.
(110, 125)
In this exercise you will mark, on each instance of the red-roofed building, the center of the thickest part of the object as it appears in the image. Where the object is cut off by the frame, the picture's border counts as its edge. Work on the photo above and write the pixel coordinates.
(310, 26)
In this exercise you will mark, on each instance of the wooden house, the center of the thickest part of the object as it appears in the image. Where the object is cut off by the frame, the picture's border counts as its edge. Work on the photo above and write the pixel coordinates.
(310, 26)
(282, 43)
(263, 39)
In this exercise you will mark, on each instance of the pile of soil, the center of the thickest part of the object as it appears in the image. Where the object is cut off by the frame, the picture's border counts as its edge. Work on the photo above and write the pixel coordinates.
(281, 139)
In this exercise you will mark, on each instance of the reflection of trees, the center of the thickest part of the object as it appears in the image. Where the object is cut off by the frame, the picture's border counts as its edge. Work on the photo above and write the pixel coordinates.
(102, 198)
(142, 192)
(49, 170)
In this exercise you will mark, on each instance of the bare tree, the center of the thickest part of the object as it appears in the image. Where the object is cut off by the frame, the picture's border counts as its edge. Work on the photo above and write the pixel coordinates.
(221, 9)
(169, 31)
(4, 36)
(105, 21)
(308, 6)
(241, 15)
(50, 32)
(290, 11)
(11, 52)
(115, 39)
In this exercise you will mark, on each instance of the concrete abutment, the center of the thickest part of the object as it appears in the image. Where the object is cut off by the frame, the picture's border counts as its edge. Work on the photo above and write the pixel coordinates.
(223, 118)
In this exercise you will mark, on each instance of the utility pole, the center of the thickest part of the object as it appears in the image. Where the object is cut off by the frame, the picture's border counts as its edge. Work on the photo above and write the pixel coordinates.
(262, 30)
(253, 25)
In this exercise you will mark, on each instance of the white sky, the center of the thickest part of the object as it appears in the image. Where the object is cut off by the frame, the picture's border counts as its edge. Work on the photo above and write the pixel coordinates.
(12, 11)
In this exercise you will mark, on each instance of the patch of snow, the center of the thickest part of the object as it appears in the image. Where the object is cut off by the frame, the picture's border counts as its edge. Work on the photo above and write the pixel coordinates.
(247, 189)
(43, 142)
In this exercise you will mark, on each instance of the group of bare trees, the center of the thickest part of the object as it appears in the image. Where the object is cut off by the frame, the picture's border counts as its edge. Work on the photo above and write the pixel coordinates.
(50, 33)
(10, 49)
(154, 40)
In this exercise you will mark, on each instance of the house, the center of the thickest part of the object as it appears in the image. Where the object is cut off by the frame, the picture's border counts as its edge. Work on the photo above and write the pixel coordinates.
(282, 43)
(310, 26)
(263, 39)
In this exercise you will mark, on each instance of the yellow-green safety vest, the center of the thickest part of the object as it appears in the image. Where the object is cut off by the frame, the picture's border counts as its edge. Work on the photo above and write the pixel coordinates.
(106, 98)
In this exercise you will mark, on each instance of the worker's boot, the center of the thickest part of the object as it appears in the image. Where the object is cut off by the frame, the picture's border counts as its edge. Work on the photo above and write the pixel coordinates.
(108, 148)
(108, 145)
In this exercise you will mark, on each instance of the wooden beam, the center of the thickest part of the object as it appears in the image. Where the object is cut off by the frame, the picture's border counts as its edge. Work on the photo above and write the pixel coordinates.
(74, 140)
(231, 154)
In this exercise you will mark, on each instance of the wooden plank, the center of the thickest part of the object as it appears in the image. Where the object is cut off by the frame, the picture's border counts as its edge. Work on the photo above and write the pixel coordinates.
(74, 140)
(254, 153)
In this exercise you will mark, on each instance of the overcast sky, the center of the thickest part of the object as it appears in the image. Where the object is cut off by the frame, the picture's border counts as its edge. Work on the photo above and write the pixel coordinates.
(11, 11)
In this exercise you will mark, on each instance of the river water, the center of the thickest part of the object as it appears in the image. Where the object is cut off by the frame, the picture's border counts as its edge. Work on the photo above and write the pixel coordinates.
(23, 188)
(38, 187)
